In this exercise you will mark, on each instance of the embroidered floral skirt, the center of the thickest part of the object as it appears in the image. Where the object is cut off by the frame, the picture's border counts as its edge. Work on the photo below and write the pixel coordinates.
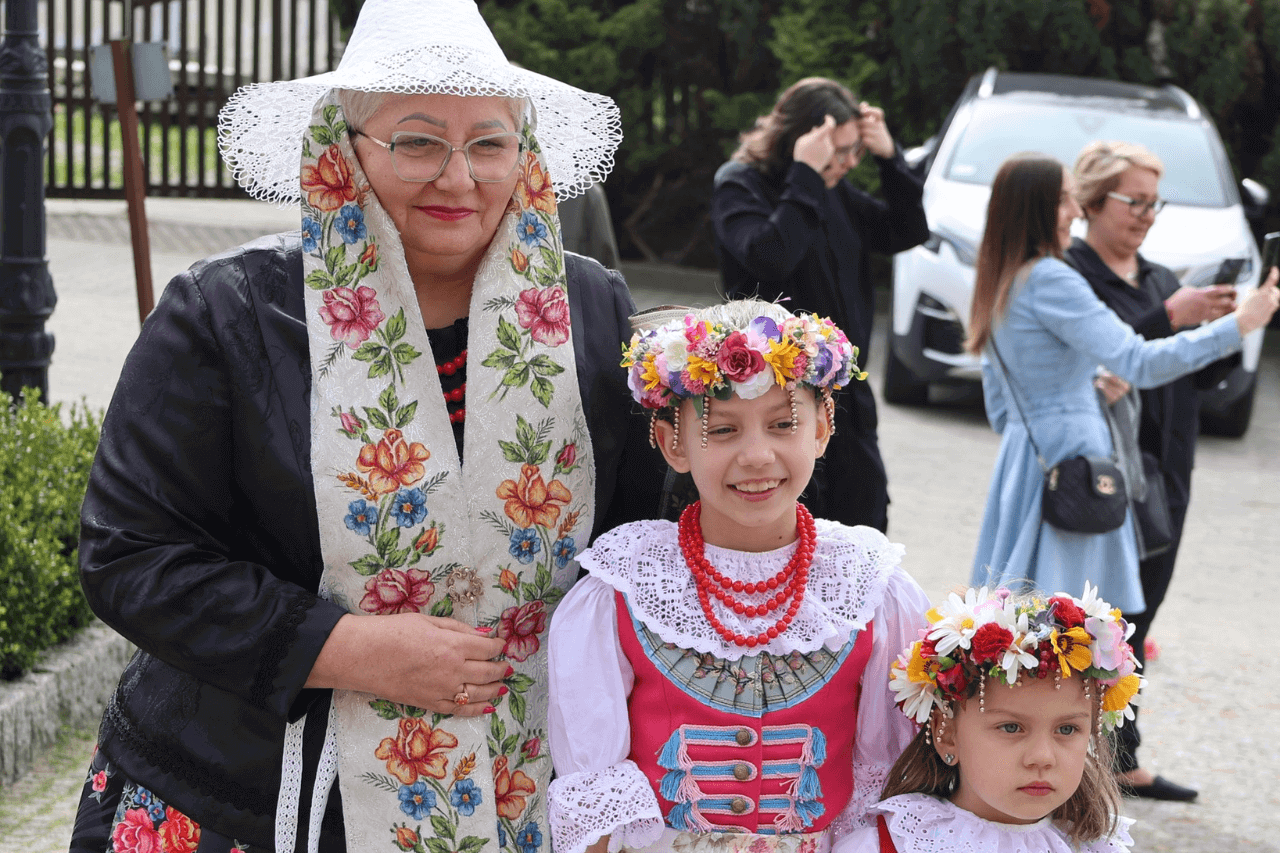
(117, 815)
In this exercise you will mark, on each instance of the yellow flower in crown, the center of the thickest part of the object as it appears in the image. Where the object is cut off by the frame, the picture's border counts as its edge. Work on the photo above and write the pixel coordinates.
(650, 375)
(1072, 649)
(919, 669)
(702, 371)
(782, 357)
(1119, 695)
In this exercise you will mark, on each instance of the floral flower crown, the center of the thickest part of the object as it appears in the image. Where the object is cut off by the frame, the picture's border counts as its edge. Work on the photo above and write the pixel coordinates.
(999, 635)
(696, 358)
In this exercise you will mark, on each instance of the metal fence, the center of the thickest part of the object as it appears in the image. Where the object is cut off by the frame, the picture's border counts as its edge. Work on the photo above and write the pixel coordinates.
(214, 47)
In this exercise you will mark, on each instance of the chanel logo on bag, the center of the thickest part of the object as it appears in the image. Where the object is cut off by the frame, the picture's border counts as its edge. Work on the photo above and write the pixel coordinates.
(1106, 484)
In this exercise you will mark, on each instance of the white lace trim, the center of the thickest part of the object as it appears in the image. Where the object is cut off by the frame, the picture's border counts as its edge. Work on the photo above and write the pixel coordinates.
(868, 782)
(616, 801)
(851, 568)
(418, 47)
(920, 823)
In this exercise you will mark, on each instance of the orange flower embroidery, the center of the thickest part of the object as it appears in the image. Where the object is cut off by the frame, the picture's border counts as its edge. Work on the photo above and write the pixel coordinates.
(392, 462)
(532, 500)
(328, 183)
(418, 750)
(178, 833)
(536, 192)
(519, 260)
(511, 789)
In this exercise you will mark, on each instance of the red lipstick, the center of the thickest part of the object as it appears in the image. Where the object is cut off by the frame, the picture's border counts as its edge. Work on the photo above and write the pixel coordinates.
(447, 214)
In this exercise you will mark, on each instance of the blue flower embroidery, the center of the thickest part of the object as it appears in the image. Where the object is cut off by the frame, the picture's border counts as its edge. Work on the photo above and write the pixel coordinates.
(417, 800)
(149, 801)
(564, 550)
(525, 545)
(350, 224)
(531, 229)
(465, 796)
(502, 836)
(310, 234)
(409, 507)
(529, 839)
(361, 516)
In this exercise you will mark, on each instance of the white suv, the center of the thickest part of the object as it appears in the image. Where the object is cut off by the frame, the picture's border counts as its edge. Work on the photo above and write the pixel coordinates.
(1000, 114)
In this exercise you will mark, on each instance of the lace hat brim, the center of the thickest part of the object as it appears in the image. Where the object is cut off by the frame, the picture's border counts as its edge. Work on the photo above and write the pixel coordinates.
(261, 128)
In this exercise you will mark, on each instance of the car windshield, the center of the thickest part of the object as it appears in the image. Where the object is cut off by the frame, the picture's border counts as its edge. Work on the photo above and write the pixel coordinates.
(999, 129)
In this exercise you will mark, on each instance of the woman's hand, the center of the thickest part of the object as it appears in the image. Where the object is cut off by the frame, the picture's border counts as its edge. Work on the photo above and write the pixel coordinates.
(815, 149)
(874, 132)
(1111, 386)
(1191, 306)
(414, 659)
(1257, 308)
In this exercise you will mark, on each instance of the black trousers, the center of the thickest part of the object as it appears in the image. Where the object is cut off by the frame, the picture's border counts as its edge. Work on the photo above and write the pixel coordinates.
(1156, 573)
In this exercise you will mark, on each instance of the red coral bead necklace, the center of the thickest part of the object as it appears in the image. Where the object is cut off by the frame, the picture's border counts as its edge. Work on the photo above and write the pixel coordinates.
(790, 582)
(457, 395)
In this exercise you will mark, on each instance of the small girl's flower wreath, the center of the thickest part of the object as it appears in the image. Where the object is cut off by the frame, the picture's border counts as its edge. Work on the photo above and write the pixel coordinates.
(694, 358)
(997, 635)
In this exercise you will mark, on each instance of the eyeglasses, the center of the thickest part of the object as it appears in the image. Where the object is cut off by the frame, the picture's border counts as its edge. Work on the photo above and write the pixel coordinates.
(421, 157)
(845, 152)
(1138, 207)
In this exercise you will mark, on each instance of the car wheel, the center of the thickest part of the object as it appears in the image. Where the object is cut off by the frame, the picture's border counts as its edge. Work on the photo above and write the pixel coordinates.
(901, 385)
(1233, 421)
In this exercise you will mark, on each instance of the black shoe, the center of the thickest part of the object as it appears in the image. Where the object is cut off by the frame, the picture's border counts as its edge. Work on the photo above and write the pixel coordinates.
(1159, 789)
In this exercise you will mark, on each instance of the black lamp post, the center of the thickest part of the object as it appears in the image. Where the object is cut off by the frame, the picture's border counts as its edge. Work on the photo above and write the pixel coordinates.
(26, 288)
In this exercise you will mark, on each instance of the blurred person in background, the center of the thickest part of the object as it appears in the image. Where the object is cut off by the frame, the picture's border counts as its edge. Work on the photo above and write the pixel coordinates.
(1117, 186)
(788, 225)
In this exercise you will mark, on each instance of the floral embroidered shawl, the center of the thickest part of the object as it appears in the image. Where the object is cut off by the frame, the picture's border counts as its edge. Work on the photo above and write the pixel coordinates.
(407, 526)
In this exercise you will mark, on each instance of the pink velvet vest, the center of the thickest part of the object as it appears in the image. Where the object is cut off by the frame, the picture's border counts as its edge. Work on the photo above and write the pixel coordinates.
(762, 744)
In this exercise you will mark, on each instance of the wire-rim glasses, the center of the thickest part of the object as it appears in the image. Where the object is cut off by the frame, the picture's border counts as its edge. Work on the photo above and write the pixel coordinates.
(421, 158)
(1137, 206)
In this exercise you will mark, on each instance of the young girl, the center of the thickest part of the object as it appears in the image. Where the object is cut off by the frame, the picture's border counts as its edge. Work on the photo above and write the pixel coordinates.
(707, 687)
(1017, 694)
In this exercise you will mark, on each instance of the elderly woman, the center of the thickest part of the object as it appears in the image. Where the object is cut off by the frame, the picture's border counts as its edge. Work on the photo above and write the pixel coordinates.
(1042, 331)
(346, 472)
(1117, 186)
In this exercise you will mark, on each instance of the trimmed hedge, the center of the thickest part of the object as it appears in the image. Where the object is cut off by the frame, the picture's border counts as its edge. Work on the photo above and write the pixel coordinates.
(45, 454)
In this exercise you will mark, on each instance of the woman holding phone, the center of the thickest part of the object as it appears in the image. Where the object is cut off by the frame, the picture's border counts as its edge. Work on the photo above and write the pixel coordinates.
(1117, 186)
(1042, 331)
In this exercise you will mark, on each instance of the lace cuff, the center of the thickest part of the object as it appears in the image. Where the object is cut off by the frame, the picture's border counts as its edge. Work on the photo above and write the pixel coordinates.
(616, 801)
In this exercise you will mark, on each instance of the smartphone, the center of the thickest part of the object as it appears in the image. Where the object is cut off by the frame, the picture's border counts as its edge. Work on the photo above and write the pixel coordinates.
(1228, 271)
(1270, 253)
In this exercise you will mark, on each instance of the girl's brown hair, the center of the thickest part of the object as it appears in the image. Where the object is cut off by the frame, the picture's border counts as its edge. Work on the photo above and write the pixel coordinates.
(768, 146)
(1022, 223)
(1089, 814)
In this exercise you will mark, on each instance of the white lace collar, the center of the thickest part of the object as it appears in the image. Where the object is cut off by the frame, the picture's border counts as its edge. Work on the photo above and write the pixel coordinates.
(920, 823)
(851, 568)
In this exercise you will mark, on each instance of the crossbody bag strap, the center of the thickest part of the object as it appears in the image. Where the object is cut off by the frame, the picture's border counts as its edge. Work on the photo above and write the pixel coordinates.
(1013, 392)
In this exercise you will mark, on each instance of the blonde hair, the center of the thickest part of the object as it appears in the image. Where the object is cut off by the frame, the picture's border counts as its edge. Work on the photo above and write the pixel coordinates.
(1100, 165)
(359, 106)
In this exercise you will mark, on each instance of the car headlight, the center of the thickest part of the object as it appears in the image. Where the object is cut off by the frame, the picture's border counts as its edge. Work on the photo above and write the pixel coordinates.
(966, 252)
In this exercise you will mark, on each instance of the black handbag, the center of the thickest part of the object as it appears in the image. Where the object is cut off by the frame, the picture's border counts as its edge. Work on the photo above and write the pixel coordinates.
(1083, 494)
(1152, 516)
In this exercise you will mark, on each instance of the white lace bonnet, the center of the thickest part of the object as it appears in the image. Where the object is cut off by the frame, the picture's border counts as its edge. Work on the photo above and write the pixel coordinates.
(416, 46)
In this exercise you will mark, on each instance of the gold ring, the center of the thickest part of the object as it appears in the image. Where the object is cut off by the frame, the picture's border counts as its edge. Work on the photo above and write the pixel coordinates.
(461, 697)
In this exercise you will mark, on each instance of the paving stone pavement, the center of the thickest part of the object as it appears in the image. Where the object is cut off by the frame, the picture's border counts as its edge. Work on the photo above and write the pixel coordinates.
(1212, 704)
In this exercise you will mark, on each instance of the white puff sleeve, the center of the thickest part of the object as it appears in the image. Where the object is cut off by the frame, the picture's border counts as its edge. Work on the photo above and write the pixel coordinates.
(598, 790)
(883, 730)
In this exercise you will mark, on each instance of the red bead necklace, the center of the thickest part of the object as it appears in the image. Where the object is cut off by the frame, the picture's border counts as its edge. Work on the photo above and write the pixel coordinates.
(709, 582)
(457, 395)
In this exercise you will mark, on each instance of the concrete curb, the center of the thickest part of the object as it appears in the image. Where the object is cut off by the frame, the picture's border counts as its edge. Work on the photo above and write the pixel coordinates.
(69, 687)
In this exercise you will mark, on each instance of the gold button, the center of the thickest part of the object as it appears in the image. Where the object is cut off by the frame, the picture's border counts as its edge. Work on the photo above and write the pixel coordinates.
(743, 737)
(742, 772)
(738, 805)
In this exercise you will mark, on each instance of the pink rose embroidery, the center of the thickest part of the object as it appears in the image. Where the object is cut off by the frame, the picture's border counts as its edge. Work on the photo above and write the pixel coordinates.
(135, 834)
(545, 313)
(520, 627)
(351, 315)
(392, 591)
(100, 781)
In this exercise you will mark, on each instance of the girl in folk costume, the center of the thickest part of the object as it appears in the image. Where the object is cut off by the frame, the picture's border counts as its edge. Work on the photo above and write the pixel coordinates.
(707, 687)
(1017, 695)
